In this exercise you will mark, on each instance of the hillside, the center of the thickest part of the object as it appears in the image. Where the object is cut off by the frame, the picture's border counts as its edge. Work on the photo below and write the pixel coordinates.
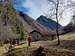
(10, 25)
(49, 23)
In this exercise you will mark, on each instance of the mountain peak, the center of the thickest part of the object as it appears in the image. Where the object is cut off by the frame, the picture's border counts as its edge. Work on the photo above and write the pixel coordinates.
(46, 22)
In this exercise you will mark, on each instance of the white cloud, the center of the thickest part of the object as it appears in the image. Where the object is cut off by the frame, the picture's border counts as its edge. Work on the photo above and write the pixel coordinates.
(67, 16)
(37, 7)
(40, 7)
(73, 0)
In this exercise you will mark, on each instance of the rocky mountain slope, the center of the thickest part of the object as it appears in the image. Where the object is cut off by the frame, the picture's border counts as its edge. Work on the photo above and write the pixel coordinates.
(48, 22)
(71, 26)
(10, 25)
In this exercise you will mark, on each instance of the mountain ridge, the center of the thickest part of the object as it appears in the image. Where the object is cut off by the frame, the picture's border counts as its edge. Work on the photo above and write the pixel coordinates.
(49, 23)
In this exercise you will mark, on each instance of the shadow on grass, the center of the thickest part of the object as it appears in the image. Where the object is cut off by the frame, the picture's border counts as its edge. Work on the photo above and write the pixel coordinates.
(68, 44)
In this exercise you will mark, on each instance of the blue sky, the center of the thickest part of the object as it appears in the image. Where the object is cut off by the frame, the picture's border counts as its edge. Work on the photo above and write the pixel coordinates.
(19, 6)
(35, 8)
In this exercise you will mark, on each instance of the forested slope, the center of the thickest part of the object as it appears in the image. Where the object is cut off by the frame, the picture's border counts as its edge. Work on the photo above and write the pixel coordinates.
(10, 26)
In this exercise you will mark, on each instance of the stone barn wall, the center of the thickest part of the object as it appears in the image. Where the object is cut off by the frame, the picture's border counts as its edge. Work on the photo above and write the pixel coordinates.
(36, 36)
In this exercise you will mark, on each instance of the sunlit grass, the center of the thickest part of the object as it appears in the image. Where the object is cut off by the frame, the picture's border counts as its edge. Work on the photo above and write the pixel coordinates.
(26, 46)
(70, 36)
(3, 49)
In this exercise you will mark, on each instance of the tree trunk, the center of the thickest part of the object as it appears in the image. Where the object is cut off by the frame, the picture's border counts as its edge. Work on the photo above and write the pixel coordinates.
(57, 3)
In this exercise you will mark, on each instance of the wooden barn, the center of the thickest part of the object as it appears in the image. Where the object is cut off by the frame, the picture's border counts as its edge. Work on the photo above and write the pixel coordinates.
(35, 29)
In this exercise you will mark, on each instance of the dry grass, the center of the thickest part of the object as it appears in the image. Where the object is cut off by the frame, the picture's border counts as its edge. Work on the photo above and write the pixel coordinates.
(69, 36)
(67, 47)
(58, 52)
(3, 49)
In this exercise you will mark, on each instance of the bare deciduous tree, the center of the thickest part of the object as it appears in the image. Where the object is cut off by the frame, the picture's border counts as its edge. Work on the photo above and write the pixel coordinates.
(56, 3)
(56, 10)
